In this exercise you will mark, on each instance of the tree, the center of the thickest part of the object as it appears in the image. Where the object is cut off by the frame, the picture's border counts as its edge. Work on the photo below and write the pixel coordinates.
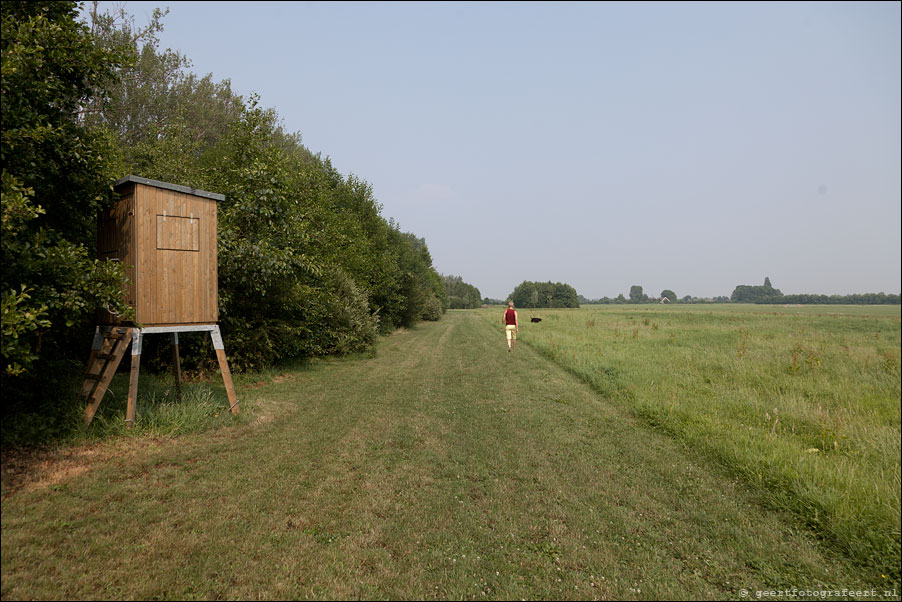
(544, 294)
(565, 296)
(756, 294)
(669, 294)
(525, 295)
(636, 294)
(767, 282)
(163, 116)
(57, 175)
(307, 264)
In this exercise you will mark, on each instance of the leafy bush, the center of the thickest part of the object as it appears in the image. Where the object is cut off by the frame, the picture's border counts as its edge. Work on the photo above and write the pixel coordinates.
(432, 309)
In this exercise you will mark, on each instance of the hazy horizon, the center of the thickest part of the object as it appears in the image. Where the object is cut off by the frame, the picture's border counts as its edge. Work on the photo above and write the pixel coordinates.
(691, 147)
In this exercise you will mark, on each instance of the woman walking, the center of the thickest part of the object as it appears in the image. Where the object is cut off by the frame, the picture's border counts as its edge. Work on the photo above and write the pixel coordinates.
(511, 326)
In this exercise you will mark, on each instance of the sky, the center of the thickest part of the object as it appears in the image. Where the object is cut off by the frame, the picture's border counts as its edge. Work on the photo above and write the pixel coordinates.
(684, 146)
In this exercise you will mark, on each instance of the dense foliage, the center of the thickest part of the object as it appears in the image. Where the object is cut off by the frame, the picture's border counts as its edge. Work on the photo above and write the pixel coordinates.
(544, 294)
(756, 294)
(55, 179)
(636, 294)
(307, 263)
(460, 294)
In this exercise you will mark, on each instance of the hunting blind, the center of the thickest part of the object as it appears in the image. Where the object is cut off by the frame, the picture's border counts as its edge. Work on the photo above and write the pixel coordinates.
(165, 234)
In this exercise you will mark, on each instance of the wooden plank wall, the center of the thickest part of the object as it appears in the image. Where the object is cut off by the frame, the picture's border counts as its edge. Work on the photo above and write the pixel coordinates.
(115, 241)
(176, 269)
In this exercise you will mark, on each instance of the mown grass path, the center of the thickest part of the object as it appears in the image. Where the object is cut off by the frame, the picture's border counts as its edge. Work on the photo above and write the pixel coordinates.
(444, 467)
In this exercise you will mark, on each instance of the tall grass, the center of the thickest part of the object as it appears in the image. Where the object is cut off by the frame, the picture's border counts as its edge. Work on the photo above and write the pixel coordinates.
(802, 403)
(160, 412)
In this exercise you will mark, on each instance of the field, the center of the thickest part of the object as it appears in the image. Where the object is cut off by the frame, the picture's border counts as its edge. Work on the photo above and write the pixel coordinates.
(447, 468)
(802, 403)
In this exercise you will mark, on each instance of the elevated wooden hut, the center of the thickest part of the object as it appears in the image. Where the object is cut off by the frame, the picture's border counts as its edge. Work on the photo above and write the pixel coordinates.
(165, 234)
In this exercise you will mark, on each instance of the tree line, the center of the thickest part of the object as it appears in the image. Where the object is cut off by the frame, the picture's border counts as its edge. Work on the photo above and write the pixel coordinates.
(307, 263)
(766, 293)
(460, 294)
(761, 294)
(637, 295)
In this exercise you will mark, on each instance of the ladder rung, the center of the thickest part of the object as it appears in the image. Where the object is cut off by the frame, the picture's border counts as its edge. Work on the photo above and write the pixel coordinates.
(105, 356)
(92, 377)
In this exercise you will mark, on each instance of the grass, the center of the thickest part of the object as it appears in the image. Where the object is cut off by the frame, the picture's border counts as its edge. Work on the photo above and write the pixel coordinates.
(801, 403)
(160, 412)
(445, 467)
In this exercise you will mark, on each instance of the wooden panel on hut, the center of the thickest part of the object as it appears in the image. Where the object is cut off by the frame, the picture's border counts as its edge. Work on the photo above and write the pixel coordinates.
(166, 235)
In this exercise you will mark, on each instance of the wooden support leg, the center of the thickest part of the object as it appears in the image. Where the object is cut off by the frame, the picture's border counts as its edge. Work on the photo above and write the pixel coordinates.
(224, 368)
(131, 410)
(177, 365)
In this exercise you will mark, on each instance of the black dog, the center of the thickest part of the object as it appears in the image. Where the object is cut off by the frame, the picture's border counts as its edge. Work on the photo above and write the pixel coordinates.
(535, 319)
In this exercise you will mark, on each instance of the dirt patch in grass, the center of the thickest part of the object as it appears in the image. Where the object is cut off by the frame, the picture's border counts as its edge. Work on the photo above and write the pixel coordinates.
(35, 468)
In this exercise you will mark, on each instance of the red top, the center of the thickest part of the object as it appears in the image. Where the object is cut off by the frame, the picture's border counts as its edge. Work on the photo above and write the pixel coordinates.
(510, 317)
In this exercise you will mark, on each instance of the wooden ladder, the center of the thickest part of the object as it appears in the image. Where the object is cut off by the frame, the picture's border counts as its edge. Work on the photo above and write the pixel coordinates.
(107, 352)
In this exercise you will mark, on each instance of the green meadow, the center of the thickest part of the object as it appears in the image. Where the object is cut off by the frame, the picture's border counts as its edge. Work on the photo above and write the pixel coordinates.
(801, 403)
(652, 466)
